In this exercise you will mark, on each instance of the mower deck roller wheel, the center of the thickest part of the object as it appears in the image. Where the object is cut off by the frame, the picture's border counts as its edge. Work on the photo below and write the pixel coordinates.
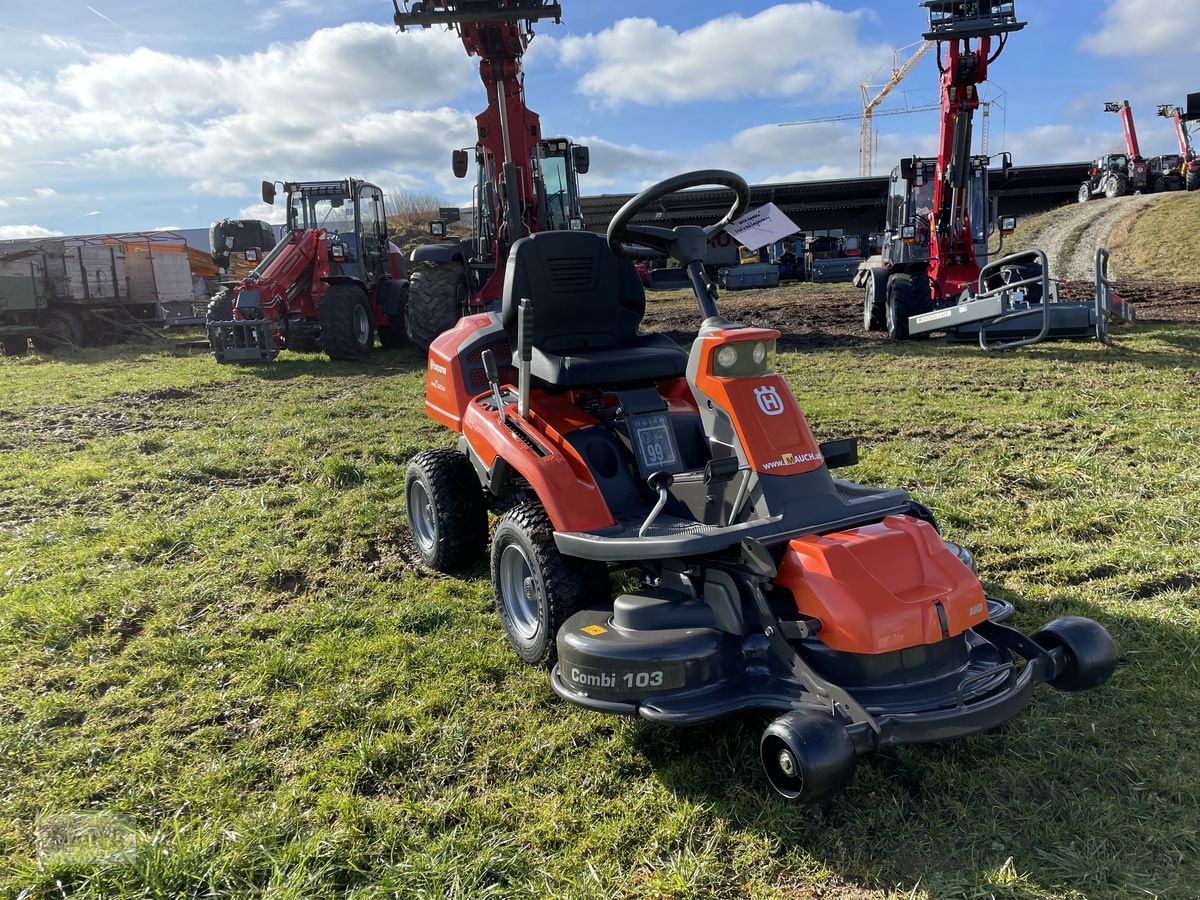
(907, 295)
(537, 588)
(437, 296)
(1089, 652)
(446, 510)
(808, 756)
(347, 331)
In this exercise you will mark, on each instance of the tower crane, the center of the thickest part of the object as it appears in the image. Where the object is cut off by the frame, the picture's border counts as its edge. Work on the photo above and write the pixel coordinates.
(871, 103)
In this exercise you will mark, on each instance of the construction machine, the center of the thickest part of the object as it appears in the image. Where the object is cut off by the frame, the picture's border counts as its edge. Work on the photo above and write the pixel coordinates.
(1117, 174)
(1189, 161)
(524, 183)
(333, 283)
(934, 273)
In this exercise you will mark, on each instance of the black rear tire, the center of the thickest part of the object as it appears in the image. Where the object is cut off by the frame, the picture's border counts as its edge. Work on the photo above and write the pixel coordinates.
(536, 587)
(875, 302)
(907, 295)
(1085, 192)
(437, 296)
(1089, 652)
(447, 514)
(1116, 186)
(808, 756)
(64, 330)
(1192, 179)
(347, 329)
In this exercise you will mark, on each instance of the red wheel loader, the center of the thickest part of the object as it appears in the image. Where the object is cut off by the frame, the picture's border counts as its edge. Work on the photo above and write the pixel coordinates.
(524, 183)
(934, 273)
(333, 283)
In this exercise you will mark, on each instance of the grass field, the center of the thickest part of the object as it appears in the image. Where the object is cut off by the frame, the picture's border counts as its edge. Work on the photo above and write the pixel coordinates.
(222, 675)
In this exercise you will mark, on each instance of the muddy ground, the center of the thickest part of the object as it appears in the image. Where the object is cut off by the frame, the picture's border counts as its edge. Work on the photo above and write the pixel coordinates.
(812, 316)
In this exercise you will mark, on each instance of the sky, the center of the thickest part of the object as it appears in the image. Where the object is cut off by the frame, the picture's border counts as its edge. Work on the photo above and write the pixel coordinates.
(133, 115)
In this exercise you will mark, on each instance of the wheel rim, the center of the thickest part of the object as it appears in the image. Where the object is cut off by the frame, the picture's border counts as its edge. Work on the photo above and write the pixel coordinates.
(362, 325)
(420, 516)
(782, 768)
(518, 592)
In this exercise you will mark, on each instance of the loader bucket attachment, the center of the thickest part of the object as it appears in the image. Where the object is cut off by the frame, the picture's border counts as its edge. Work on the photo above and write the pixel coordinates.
(962, 20)
(243, 341)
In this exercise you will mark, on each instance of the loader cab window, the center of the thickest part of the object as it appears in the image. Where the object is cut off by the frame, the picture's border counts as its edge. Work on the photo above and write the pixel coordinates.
(560, 193)
(978, 199)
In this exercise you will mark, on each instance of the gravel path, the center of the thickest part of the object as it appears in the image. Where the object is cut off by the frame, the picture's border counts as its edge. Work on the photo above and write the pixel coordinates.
(1070, 241)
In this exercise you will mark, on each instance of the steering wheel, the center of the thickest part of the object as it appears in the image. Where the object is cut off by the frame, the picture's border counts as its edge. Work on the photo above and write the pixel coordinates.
(655, 242)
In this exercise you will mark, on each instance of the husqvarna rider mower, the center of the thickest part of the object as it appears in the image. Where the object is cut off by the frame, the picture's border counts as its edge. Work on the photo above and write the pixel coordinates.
(764, 581)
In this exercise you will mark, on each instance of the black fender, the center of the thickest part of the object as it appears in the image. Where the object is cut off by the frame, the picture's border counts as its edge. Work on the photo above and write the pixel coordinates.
(446, 252)
(390, 296)
(346, 279)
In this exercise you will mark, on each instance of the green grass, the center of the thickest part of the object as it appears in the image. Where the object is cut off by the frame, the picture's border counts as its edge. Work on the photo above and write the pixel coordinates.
(1138, 239)
(218, 660)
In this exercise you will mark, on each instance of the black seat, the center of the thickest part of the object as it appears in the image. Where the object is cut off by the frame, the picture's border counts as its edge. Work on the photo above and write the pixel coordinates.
(587, 306)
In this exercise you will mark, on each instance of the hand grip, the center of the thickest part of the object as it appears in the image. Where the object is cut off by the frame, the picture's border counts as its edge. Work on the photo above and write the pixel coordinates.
(489, 367)
(525, 330)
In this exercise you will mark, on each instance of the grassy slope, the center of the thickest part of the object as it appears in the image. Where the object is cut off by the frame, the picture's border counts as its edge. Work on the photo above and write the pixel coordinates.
(211, 637)
(1138, 240)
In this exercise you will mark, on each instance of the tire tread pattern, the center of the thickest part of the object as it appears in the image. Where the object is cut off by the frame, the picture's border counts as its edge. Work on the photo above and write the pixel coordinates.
(459, 508)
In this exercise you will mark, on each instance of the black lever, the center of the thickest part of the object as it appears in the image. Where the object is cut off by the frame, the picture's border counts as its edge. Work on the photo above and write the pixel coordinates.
(493, 377)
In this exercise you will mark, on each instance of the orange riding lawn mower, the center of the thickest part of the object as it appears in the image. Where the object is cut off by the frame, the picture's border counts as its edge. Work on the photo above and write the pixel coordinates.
(762, 582)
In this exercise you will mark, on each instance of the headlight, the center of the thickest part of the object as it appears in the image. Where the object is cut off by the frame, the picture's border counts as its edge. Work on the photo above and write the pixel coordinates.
(744, 358)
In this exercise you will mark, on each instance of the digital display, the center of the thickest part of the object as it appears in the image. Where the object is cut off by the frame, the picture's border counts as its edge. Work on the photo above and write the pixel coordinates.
(654, 442)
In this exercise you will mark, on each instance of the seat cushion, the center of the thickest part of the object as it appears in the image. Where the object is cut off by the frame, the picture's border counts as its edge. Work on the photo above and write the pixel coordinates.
(651, 357)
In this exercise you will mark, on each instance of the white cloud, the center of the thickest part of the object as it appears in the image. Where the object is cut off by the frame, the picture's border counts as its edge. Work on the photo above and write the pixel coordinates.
(3, 204)
(94, 212)
(369, 103)
(165, 228)
(1141, 27)
(788, 50)
(14, 232)
(45, 193)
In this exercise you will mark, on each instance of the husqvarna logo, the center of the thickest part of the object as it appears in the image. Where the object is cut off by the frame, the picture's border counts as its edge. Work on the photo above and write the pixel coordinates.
(769, 400)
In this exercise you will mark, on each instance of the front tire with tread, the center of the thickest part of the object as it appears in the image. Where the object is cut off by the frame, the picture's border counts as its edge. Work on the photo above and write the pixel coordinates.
(447, 514)
(553, 588)
(347, 329)
(437, 295)
(907, 295)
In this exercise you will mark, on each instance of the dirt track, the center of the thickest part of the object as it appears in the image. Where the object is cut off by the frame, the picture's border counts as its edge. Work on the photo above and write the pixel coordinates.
(1071, 240)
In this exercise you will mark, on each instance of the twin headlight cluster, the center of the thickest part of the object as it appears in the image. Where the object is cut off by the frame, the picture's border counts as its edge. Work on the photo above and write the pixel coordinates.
(744, 358)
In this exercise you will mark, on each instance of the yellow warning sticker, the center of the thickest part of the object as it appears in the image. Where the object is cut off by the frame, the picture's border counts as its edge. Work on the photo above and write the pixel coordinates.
(594, 630)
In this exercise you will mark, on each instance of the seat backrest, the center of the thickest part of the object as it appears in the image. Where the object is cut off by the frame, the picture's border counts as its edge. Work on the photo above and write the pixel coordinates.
(584, 297)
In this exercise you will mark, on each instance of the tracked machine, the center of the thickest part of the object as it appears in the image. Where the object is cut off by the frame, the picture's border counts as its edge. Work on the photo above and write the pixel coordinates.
(333, 283)
(935, 272)
(525, 183)
(751, 578)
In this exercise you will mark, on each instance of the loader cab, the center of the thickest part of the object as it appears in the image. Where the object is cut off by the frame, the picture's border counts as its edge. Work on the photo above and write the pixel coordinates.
(556, 164)
(353, 215)
(910, 210)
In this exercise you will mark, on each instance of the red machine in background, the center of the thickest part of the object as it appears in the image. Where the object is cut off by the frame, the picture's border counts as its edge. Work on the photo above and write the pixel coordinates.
(1117, 174)
(525, 184)
(934, 273)
(1189, 162)
(331, 284)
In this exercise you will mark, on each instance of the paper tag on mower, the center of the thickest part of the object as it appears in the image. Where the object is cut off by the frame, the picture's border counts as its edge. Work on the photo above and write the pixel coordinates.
(763, 226)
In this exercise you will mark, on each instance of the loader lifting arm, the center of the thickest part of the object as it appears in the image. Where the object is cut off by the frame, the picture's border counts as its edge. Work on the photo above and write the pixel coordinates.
(1175, 113)
(1123, 108)
(498, 32)
(964, 31)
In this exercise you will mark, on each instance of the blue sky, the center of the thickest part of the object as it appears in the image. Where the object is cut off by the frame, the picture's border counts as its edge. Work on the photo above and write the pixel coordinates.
(122, 115)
